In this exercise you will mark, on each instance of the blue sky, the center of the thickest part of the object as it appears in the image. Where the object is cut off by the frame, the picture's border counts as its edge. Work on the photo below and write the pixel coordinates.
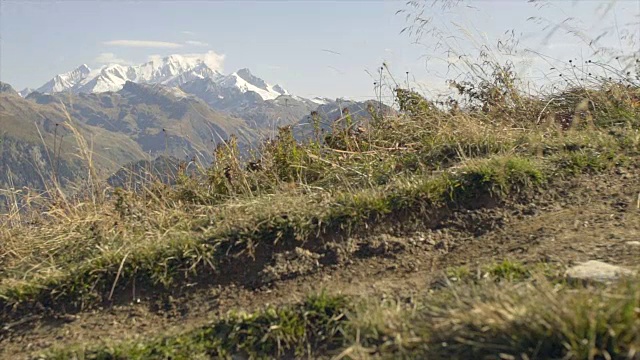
(286, 42)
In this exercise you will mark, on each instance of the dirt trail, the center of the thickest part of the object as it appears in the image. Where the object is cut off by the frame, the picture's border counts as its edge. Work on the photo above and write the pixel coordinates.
(592, 217)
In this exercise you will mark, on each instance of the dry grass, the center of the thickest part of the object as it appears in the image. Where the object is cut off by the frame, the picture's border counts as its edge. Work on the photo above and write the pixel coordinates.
(429, 159)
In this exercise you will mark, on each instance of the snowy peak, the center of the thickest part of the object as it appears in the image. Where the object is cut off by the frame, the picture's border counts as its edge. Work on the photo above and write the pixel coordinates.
(83, 70)
(200, 71)
(320, 100)
(279, 89)
(245, 81)
(149, 91)
(108, 78)
(172, 71)
(65, 81)
(246, 75)
(175, 63)
(25, 92)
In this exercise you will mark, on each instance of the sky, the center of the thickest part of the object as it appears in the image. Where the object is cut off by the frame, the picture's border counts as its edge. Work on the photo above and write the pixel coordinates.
(330, 48)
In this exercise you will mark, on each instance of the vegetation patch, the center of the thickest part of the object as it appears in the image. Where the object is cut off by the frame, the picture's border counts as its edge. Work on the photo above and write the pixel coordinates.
(185, 253)
(518, 318)
(308, 195)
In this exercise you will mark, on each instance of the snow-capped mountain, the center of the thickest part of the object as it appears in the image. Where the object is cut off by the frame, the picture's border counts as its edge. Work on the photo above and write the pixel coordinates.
(26, 91)
(245, 81)
(240, 94)
(173, 71)
(243, 95)
(320, 100)
(66, 81)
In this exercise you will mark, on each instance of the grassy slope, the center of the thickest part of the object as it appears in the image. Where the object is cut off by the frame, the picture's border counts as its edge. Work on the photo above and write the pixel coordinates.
(118, 128)
(33, 136)
(19, 119)
(405, 169)
(498, 317)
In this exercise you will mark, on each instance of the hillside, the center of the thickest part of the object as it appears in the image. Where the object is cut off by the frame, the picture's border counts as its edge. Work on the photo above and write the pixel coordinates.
(159, 119)
(435, 232)
(7, 89)
(38, 143)
(176, 106)
(137, 122)
(143, 121)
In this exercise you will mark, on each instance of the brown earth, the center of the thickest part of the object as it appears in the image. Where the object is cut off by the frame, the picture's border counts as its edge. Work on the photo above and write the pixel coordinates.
(586, 218)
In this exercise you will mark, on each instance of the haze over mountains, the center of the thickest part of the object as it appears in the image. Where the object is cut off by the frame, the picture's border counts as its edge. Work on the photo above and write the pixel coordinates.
(177, 106)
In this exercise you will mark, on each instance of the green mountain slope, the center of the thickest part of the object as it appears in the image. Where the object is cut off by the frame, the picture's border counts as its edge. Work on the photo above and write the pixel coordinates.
(43, 136)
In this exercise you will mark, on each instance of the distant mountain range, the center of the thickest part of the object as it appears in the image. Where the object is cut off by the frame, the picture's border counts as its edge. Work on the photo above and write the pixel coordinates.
(175, 107)
(174, 70)
(240, 93)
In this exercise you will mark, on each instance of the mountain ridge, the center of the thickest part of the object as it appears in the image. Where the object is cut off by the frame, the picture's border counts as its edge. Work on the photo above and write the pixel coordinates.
(173, 70)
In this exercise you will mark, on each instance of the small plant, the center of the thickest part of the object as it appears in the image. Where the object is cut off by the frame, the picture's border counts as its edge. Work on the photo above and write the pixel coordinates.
(412, 103)
(458, 273)
(288, 158)
(507, 270)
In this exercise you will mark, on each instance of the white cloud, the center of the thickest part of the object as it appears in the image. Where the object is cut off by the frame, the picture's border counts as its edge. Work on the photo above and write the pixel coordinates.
(144, 43)
(190, 33)
(213, 60)
(155, 57)
(110, 58)
(196, 43)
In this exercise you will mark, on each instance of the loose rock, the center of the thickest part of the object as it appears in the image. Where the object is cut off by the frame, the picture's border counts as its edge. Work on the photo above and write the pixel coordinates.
(597, 271)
